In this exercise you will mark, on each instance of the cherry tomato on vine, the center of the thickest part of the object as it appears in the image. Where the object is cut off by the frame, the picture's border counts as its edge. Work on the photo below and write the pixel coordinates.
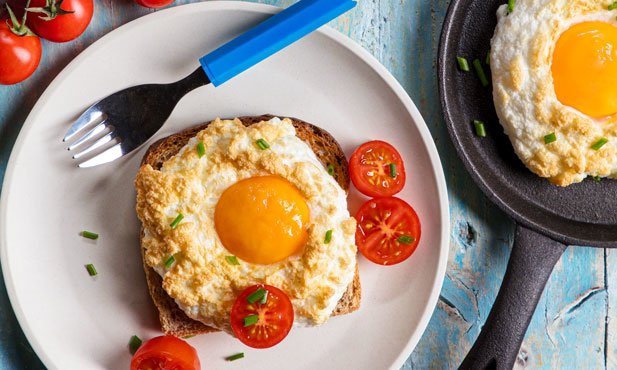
(59, 21)
(20, 51)
(262, 322)
(165, 353)
(376, 169)
(154, 3)
(388, 230)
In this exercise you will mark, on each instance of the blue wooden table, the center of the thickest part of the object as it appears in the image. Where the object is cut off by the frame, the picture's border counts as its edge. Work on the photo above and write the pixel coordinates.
(574, 325)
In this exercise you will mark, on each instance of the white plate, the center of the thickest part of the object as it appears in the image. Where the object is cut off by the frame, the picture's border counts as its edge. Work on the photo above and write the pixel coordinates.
(74, 321)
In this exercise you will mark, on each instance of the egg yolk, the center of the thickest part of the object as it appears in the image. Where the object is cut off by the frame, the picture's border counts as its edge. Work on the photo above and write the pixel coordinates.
(262, 220)
(585, 68)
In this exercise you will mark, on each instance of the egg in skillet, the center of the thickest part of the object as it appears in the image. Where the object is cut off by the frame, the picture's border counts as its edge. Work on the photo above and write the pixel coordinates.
(554, 71)
(257, 194)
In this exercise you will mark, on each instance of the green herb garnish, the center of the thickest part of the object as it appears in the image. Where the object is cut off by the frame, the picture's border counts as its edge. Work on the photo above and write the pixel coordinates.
(479, 127)
(550, 138)
(176, 221)
(406, 239)
(599, 144)
(251, 320)
(89, 235)
(262, 144)
(463, 65)
(91, 269)
(232, 260)
(134, 344)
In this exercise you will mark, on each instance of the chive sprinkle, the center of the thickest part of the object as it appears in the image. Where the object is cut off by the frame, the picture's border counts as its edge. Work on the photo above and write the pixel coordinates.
(251, 320)
(235, 357)
(479, 126)
(550, 138)
(463, 65)
(169, 262)
(91, 269)
(232, 260)
(328, 237)
(264, 299)
(201, 149)
(89, 235)
(613, 6)
(511, 6)
(480, 72)
(597, 178)
(393, 170)
(134, 344)
(187, 336)
(262, 144)
(330, 169)
(256, 295)
(488, 58)
(599, 144)
(406, 239)
(177, 221)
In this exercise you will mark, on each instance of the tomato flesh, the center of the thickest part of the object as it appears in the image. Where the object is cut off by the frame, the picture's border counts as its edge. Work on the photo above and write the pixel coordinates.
(19, 55)
(275, 320)
(165, 353)
(388, 230)
(376, 169)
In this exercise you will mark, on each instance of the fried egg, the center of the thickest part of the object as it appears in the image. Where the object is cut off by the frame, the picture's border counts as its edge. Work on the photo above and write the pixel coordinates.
(268, 207)
(554, 71)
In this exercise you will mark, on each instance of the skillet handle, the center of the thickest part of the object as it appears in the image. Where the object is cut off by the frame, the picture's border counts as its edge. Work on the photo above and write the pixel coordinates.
(531, 263)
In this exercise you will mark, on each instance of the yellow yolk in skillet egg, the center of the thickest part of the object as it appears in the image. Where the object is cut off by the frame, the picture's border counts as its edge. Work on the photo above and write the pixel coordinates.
(262, 220)
(585, 68)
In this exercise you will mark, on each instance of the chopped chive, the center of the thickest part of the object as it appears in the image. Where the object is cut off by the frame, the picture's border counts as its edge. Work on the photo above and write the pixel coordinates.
(235, 357)
(89, 235)
(177, 221)
(599, 144)
(613, 6)
(251, 320)
(463, 65)
(232, 260)
(262, 144)
(596, 178)
(480, 72)
(201, 149)
(256, 295)
(169, 262)
(550, 138)
(264, 299)
(488, 58)
(134, 344)
(479, 126)
(511, 6)
(187, 336)
(406, 239)
(328, 237)
(393, 170)
(91, 269)
(330, 169)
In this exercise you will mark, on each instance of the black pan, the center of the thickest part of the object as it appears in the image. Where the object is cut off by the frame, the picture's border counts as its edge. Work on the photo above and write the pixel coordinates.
(548, 217)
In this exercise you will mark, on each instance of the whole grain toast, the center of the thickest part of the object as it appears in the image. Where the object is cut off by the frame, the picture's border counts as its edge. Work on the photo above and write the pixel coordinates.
(173, 320)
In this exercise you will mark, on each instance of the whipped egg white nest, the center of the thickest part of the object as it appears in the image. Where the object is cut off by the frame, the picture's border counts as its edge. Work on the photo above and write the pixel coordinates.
(558, 131)
(201, 280)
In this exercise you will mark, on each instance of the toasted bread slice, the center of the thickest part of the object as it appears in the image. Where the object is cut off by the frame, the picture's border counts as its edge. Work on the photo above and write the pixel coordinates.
(173, 320)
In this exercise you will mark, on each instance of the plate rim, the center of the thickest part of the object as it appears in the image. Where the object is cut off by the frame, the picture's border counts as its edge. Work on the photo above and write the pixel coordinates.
(330, 33)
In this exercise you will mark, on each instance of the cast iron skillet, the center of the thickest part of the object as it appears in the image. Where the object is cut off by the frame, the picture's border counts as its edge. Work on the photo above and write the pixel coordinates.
(547, 216)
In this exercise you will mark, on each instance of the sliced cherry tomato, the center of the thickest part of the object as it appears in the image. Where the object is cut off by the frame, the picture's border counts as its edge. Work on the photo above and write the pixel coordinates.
(20, 52)
(165, 353)
(388, 230)
(59, 20)
(376, 169)
(273, 322)
(154, 3)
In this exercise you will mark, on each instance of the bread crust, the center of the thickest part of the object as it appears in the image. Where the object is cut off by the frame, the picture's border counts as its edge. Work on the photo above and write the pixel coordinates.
(173, 320)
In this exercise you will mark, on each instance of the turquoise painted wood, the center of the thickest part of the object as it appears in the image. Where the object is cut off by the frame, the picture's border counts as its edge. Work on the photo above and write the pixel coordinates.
(576, 321)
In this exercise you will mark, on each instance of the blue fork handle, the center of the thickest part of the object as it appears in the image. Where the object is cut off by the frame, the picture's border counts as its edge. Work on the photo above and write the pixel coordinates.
(270, 36)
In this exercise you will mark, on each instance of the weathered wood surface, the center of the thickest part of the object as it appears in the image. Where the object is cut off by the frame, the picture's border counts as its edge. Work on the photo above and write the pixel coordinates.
(574, 326)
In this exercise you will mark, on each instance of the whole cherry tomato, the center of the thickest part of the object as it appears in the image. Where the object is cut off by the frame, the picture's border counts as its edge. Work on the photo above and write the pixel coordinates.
(154, 3)
(59, 21)
(20, 51)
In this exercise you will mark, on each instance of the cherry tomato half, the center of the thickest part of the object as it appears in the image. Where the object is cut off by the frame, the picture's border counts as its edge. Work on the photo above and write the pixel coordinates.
(388, 230)
(376, 169)
(19, 55)
(274, 318)
(165, 353)
(154, 3)
(63, 27)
